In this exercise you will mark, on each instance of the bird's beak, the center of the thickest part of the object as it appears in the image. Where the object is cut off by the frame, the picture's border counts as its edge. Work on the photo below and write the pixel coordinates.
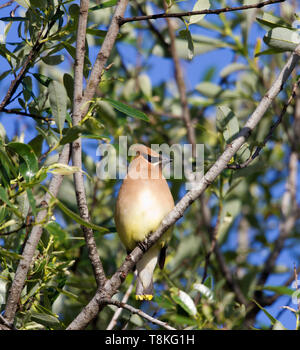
(164, 160)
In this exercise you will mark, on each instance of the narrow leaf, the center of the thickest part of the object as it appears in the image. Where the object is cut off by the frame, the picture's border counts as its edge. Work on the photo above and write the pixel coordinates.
(27, 154)
(282, 39)
(104, 5)
(132, 112)
(199, 6)
(227, 123)
(58, 103)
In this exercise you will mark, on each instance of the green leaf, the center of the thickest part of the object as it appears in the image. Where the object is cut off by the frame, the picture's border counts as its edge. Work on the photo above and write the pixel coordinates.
(71, 134)
(204, 290)
(23, 3)
(232, 68)
(186, 35)
(45, 319)
(277, 325)
(104, 5)
(42, 79)
(199, 6)
(10, 254)
(27, 85)
(280, 290)
(37, 143)
(282, 39)
(96, 32)
(53, 60)
(271, 21)
(62, 169)
(209, 89)
(96, 137)
(184, 300)
(132, 112)
(227, 123)
(5, 199)
(269, 52)
(76, 217)
(58, 103)
(27, 154)
(69, 85)
(243, 153)
(163, 302)
(55, 229)
(32, 201)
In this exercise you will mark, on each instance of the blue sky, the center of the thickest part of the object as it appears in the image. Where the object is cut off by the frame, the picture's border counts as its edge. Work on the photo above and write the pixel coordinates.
(160, 70)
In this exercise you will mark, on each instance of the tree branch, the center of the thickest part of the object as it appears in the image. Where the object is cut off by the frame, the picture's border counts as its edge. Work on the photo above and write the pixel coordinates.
(193, 13)
(118, 312)
(77, 146)
(103, 56)
(111, 286)
(30, 58)
(138, 312)
(8, 3)
(34, 116)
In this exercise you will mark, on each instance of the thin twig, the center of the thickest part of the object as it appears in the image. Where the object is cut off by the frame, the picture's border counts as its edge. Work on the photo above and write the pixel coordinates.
(228, 276)
(34, 116)
(27, 64)
(137, 312)
(13, 231)
(8, 3)
(118, 312)
(153, 29)
(214, 236)
(193, 13)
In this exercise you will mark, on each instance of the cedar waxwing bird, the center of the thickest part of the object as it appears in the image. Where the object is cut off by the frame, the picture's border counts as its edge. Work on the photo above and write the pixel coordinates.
(143, 201)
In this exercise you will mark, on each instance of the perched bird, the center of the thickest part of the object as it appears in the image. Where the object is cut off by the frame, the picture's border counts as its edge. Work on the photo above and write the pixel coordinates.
(143, 201)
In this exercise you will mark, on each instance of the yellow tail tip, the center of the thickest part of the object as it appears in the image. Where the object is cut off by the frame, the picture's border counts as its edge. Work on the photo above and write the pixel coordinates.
(144, 297)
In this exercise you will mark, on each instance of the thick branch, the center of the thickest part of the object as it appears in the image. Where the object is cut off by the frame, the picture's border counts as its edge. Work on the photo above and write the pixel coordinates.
(111, 286)
(193, 13)
(77, 148)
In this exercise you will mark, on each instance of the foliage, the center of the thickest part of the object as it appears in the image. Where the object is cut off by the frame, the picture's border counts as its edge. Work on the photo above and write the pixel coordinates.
(248, 201)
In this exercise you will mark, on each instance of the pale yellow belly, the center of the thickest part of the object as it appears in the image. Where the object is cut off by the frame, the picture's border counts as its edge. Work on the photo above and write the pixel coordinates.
(143, 216)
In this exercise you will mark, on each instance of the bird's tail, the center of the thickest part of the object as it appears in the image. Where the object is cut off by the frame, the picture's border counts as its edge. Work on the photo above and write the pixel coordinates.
(145, 268)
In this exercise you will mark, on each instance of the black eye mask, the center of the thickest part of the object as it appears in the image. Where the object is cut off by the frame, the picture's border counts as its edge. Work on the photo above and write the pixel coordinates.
(151, 159)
